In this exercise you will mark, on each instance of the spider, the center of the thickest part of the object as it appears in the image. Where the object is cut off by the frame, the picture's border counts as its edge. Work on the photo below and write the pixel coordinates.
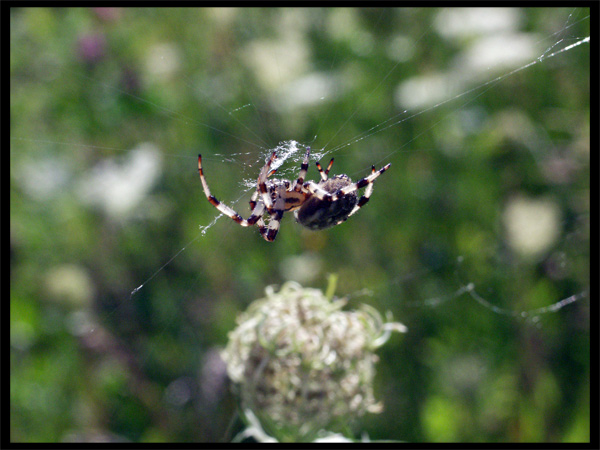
(316, 205)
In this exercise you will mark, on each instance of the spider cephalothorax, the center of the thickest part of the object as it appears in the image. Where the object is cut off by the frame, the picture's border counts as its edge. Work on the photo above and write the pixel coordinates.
(316, 205)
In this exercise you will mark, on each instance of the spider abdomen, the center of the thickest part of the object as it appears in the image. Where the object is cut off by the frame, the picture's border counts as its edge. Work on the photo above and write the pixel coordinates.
(318, 214)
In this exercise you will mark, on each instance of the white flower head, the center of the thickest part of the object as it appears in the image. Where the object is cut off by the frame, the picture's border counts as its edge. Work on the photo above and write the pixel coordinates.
(301, 364)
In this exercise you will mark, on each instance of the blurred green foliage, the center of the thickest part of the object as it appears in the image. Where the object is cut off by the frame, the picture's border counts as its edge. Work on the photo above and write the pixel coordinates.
(89, 361)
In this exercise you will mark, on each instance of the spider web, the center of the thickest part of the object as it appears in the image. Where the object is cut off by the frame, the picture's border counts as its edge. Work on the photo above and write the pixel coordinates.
(355, 150)
(290, 154)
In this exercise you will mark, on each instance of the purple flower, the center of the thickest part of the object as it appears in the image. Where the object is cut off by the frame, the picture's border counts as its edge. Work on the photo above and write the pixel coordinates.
(108, 14)
(92, 47)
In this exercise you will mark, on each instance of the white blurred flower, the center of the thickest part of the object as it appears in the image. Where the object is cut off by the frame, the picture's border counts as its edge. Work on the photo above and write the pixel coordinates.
(163, 60)
(301, 268)
(70, 285)
(276, 63)
(43, 178)
(468, 22)
(118, 188)
(492, 45)
(426, 90)
(307, 90)
(496, 54)
(532, 225)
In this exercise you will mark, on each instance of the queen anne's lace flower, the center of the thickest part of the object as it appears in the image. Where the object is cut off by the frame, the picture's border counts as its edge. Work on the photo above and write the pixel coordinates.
(301, 364)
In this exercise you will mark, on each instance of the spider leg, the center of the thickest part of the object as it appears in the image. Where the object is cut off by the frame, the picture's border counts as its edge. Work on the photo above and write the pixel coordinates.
(302, 174)
(273, 228)
(256, 213)
(319, 192)
(362, 201)
(324, 174)
(262, 228)
(262, 183)
(363, 182)
(252, 201)
(270, 232)
(256, 193)
(257, 210)
(265, 171)
(365, 198)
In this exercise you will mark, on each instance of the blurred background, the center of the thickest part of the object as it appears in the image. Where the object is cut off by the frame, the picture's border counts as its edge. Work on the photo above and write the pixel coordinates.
(489, 188)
